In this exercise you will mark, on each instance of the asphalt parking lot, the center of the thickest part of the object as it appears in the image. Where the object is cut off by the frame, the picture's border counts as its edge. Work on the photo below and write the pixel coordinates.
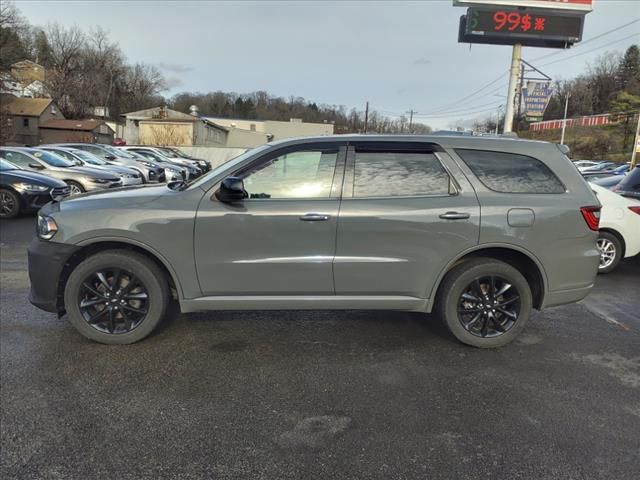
(302, 395)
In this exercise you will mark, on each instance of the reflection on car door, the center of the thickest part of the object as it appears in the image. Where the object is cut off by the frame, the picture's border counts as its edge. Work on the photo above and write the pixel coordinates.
(280, 240)
(403, 217)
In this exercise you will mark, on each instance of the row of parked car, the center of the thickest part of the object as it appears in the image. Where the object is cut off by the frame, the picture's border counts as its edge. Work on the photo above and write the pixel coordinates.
(30, 177)
(618, 189)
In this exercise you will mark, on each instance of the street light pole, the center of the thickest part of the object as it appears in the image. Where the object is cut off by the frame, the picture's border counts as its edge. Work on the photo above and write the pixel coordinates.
(564, 120)
(516, 57)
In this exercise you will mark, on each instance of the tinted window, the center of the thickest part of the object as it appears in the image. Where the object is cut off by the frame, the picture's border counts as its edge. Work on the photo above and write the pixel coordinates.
(4, 165)
(631, 182)
(51, 158)
(304, 174)
(17, 158)
(398, 174)
(511, 173)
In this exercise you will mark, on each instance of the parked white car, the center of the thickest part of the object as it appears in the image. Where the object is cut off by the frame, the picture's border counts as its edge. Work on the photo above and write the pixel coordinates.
(619, 228)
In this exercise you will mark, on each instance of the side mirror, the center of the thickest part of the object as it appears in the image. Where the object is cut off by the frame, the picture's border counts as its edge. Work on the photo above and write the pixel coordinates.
(36, 165)
(77, 163)
(110, 157)
(231, 190)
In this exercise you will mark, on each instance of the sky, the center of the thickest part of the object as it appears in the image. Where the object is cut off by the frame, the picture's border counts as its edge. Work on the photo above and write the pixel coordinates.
(398, 56)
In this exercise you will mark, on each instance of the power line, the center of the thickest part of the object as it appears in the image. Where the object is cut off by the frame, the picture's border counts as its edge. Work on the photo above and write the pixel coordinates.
(616, 29)
(592, 50)
(458, 110)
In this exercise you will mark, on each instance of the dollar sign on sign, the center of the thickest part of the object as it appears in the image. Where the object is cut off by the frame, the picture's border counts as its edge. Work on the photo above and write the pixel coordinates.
(525, 23)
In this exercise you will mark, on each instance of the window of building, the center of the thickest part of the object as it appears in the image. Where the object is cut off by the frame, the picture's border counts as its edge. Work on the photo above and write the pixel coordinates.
(303, 174)
(398, 174)
(510, 172)
(25, 122)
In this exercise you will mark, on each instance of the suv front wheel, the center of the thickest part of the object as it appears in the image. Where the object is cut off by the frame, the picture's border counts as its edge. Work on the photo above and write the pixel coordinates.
(485, 302)
(116, 297)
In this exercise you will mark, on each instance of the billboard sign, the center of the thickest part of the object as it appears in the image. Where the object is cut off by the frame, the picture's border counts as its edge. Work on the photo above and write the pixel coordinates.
(536, 97)
(584, 6)
(510, 23)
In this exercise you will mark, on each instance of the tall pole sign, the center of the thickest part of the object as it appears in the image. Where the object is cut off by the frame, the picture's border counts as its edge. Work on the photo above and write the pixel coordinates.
(531, 23)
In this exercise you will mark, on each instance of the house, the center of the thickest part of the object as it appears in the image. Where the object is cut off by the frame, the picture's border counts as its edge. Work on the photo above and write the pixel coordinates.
(26, 79)
(277, 130)
(163, 126)
(76, 131)
(23, 117)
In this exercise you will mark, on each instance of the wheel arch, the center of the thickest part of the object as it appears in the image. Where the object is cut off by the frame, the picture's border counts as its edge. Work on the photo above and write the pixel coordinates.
(93, 246)
(522, 259)
(619, 236)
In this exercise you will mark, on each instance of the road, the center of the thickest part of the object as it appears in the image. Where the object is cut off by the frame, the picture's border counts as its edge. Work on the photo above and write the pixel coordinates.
(335, 395)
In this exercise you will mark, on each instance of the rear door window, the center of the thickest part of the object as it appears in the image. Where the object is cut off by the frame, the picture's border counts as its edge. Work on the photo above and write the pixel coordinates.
(398, 174)
(510, 172)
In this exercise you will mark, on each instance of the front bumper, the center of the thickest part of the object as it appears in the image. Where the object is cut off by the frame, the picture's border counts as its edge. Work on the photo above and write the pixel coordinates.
(46, 262)
(34, 201)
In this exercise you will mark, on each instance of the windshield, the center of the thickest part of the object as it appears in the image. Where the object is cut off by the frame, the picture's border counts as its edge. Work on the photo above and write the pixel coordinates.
(51, 158)
(229, 164)
(168, 152)
(89, 158)
(120, 152)
(5, 165)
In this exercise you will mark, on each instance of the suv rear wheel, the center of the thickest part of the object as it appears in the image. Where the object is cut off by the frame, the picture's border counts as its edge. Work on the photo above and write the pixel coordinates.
(116, 297)
(485, 302)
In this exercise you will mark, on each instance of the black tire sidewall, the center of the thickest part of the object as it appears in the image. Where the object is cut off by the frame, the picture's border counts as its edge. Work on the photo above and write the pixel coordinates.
(148, 273)
(460, 277)
(618, 245)
(18, 203)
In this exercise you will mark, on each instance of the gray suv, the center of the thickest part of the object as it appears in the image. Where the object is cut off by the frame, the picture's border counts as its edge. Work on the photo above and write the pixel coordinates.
(479, 230)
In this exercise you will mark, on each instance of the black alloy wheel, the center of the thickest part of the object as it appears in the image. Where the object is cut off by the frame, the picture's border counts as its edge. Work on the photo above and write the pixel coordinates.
(489, 306)
(9, 204)
(113, 300)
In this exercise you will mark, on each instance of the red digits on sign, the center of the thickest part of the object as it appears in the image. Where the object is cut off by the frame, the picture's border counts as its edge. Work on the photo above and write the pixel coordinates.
(501, 19)
(539, 24)
(514, 20)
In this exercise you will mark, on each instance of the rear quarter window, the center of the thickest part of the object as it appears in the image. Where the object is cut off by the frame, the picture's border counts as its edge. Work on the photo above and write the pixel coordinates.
(511, 173)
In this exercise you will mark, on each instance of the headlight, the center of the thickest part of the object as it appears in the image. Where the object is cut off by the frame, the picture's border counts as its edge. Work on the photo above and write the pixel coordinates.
(145, 163)
(47, 227)
(202, 163)
(29, 187)
(99, 180)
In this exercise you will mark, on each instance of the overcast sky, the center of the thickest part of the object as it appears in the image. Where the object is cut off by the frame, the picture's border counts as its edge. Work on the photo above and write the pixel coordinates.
(397, 55)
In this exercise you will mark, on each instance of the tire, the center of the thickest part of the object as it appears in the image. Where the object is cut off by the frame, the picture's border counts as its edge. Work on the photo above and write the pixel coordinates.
(76, 188)
(146, 291)
(610, 249)
(9, 204)
(486, 324)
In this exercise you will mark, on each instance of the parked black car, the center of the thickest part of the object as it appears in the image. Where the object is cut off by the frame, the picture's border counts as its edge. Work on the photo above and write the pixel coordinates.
(22, 190)
(630, 184)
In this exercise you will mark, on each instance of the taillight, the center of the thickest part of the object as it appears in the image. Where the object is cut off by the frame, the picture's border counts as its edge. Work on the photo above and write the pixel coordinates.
(635, 209)
(591, 215)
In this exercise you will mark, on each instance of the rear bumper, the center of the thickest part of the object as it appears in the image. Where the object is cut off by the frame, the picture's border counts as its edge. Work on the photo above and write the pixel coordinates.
(563, 297)
(46, 261)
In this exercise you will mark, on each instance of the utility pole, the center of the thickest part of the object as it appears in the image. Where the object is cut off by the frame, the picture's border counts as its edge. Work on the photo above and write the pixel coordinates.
(520, 97)
(636, 144)
(516, 57)
(411, 112)
(366, 117)
(564, 120)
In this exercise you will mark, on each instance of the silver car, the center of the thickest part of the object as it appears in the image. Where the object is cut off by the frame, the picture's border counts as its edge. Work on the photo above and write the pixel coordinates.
(478, 230)
(151, 172)
(192, 167)
(173, 171)
(81, 158)
(79, 179)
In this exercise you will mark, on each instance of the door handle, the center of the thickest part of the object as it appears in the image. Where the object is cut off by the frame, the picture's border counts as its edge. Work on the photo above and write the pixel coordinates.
(314, 217)
(455, 216)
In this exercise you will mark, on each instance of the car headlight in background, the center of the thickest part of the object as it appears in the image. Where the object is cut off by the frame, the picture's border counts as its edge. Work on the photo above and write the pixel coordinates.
(99, 180)
(29, 187)
(47, 227)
